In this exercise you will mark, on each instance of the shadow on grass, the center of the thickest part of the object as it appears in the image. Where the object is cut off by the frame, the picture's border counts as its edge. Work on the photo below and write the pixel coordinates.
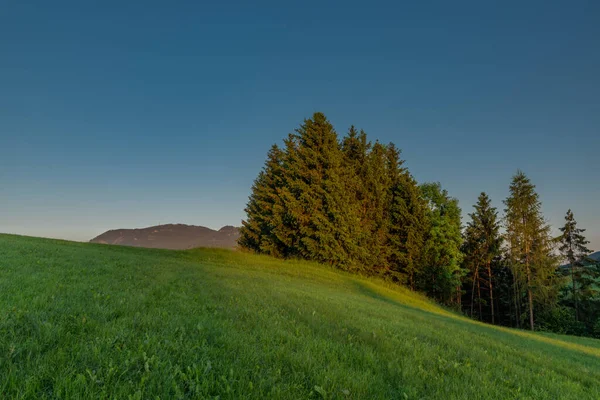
(466, 323)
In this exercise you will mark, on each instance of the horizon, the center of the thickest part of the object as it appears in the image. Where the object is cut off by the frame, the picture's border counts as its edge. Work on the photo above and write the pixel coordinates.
(130, 116)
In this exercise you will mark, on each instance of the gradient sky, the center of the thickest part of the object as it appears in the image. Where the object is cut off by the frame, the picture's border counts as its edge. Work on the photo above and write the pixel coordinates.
(123, 115)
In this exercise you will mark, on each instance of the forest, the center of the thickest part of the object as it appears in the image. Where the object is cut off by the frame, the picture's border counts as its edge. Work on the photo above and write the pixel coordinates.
(351, 203)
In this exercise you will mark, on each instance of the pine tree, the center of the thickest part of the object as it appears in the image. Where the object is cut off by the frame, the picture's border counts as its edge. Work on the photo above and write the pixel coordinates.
(319, 204)
(441, 277)
(376, 211)
(356, 151)
(284, 226)
(257, 233)
(408, 222)
(503, 292)
(529, 246)
(574, 250)
(588, 291)
(482, 247)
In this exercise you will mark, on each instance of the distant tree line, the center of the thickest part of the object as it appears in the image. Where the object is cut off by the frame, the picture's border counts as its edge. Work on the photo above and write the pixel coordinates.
(352, 203)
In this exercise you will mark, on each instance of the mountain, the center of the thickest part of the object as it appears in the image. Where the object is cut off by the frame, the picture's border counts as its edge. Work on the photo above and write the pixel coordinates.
(172, 236)
(595, 256)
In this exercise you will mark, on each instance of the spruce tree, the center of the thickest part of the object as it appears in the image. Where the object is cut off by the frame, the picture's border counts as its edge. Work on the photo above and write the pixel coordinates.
(356, 151)
(320, 206)
(529, 246)
(481, 247)
(408, 222)
(376, 211)
(257, 233)
(588, 293)
(573, 249)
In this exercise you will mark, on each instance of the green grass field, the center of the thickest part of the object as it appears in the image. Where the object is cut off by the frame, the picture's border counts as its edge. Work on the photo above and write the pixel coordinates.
(94, 321)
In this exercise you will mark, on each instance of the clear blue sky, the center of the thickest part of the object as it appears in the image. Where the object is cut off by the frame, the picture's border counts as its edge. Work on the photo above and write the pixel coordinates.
(123, 114)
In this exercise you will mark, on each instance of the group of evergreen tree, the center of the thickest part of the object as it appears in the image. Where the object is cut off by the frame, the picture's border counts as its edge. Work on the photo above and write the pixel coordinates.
(352, 203)
(520, 262)
(514, 278)
(582, 290)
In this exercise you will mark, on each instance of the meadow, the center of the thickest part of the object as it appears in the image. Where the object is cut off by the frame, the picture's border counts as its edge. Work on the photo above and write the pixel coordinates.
(82, 320)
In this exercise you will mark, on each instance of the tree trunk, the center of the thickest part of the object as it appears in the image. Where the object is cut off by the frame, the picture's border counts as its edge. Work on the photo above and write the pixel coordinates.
(529, 296)
(489, 265)
(510, 309)
(574, 290)
(479, 294)
(517, 309)
(473, 294)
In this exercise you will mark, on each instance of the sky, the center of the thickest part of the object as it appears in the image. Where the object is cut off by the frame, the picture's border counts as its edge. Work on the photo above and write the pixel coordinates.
(132, 114)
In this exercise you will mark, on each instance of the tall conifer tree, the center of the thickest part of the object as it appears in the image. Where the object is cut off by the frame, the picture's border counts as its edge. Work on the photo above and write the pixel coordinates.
(573, 249)
(408, 221)
(262, 211)
(529, 245)
(481, 247)
(320, 205)
(356, 150)
(378, 199)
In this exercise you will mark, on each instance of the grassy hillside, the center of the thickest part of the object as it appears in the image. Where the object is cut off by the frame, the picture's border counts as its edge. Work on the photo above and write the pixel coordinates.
(96, 321)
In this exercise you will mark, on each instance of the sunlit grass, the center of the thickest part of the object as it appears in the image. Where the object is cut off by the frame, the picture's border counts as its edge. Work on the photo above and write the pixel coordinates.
(94, 321)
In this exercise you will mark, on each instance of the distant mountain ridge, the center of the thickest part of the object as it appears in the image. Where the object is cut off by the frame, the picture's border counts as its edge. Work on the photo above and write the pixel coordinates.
(172, 236)
(594, 256)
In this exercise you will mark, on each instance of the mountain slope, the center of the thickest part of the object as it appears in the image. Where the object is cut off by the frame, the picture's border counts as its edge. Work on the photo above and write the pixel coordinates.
(172, 236)
(595, 256)
(89, 321)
